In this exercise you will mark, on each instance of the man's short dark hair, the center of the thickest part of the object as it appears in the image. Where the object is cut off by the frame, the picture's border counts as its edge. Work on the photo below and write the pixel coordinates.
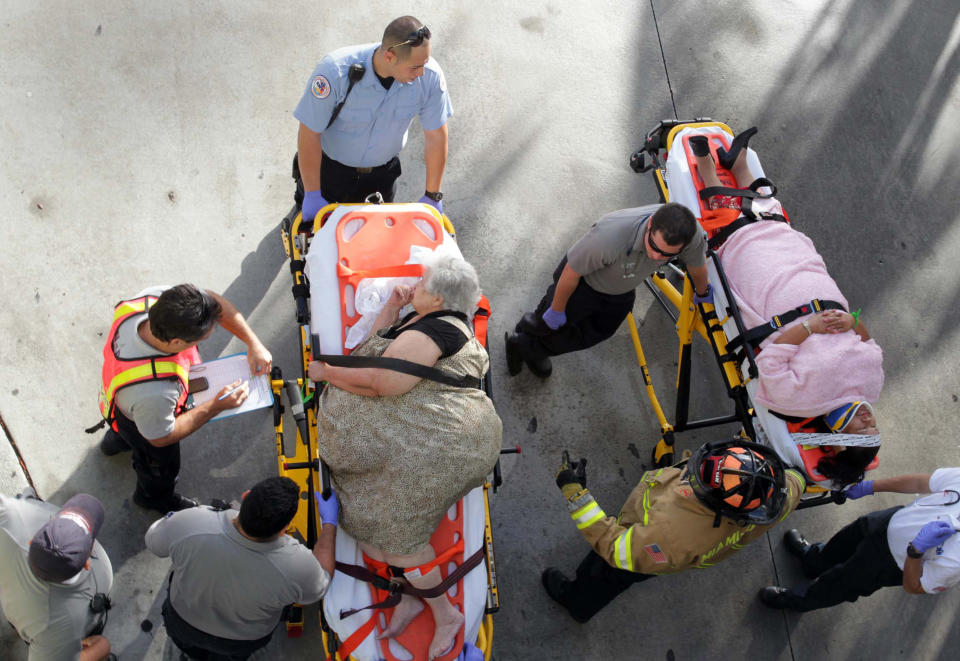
(398, 32)
(269, 507)
(183, 312)
(675, 222)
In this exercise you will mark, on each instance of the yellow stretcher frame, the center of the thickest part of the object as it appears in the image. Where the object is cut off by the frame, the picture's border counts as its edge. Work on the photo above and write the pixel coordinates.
(690, 318)
(304, 467)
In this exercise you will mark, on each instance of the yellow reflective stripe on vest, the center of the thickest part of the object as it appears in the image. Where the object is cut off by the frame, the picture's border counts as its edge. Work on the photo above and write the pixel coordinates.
(164, 367)
(623, 550)
(135, 306)
(587, 515)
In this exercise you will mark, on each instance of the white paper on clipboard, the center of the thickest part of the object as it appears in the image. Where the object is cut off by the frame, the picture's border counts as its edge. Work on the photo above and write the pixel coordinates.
(221, 372)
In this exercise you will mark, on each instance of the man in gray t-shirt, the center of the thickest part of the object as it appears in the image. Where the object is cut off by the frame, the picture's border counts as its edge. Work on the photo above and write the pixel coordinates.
(234, 572)
(48, 599)
(593, 287)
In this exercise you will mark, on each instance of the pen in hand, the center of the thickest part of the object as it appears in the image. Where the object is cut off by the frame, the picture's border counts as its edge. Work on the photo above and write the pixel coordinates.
(231, 391)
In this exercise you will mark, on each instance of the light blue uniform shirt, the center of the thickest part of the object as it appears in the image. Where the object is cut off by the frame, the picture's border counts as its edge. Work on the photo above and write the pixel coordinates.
(372, 125)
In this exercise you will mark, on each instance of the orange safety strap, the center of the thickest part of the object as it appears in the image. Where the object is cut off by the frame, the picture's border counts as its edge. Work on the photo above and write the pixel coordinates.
(397, 271)
(353, 640)
(481, 319)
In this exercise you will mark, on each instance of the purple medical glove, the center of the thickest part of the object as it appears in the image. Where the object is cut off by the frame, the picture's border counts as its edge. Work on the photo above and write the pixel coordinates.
(470, 653)
(554, 319)
(706, 298)
(436, 204)
(312, 203)
(329, 508)
(933, 534)
(859, 490)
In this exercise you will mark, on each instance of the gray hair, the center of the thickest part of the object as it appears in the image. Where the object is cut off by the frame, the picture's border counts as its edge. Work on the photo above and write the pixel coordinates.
(455, 280)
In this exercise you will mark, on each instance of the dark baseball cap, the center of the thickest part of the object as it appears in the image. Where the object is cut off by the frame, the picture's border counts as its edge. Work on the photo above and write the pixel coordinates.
(62, 546)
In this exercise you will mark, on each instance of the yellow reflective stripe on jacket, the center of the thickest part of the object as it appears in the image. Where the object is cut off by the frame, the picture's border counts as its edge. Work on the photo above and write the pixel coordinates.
(165, 368)
(124, 308)
(587, 515)
(623, 550)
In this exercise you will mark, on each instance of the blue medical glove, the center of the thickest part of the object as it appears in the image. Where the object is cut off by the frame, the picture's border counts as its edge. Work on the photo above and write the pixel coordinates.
(859, 490)
(933, 534)
(554, 319)
(706, 298)
(436, 204)
(312, 203)
(329, 508)
(470, 653)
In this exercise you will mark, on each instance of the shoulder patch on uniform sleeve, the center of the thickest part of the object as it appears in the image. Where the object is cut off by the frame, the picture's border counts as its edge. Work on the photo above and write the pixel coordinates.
(654, 551)
(320, 87)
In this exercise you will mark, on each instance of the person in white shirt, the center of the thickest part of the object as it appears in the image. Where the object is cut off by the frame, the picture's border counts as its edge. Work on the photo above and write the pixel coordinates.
(915, 546)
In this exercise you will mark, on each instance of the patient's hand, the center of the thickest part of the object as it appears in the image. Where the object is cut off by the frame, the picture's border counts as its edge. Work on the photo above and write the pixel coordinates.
(317, 371)
(836, 321)
(400, 296)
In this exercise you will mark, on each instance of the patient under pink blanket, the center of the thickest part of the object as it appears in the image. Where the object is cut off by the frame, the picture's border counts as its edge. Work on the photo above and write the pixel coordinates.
(771, 269)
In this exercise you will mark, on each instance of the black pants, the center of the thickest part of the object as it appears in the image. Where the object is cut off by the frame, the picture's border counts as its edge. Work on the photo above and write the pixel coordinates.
(592, 317)
(596, 585)
(856, 562)
(342, 183)
(156, 468)
(200, 645)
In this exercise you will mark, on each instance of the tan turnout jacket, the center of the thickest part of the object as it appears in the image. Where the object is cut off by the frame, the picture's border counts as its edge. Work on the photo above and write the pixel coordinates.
(663, 528)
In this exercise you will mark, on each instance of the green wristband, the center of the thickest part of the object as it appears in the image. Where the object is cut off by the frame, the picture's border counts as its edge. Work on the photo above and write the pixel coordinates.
(856, 317)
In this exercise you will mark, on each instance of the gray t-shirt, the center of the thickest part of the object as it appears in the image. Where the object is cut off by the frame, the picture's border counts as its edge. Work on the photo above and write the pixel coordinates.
(52, 617)
(612, 256)
(150, 405)
(227, 585)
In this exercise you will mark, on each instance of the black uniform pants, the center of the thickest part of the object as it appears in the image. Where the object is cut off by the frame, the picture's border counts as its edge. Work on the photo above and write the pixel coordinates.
(856, 562)
(596, 585)
(156, 468)
(592, 317)
(342, 183)
(198, 644)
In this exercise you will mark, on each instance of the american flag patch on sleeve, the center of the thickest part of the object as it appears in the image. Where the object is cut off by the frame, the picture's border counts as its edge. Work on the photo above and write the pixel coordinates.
(654, 551)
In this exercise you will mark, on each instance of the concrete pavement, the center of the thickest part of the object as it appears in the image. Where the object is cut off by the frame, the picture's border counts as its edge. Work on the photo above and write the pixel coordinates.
(147, 144)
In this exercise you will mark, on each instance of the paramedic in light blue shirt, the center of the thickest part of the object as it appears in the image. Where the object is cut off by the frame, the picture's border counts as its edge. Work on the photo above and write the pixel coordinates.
(356, 154)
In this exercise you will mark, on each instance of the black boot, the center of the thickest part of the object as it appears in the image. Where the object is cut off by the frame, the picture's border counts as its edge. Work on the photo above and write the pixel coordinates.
(728, 158)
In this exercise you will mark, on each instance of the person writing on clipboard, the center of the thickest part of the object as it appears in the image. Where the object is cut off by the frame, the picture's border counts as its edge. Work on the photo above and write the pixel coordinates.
(145, 382)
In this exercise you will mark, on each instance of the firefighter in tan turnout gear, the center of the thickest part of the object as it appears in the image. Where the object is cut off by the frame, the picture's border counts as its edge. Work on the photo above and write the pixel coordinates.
(683, 517)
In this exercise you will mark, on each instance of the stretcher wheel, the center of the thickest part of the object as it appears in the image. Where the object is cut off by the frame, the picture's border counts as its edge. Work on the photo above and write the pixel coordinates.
(294, 622)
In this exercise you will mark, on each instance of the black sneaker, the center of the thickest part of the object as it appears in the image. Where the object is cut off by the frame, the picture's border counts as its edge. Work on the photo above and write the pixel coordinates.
(798, 545)
(112, 443)
(174, 503)
(775, 596)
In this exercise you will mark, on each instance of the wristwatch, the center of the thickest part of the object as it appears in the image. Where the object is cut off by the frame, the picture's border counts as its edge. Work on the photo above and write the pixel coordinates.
(436, 197)
(912, 551)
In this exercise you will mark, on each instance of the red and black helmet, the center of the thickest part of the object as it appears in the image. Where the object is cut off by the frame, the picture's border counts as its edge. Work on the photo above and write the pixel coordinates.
(740, 480)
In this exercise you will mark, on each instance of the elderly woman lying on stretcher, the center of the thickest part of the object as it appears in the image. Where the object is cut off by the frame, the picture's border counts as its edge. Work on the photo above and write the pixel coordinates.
(819, 365)
(403, 449)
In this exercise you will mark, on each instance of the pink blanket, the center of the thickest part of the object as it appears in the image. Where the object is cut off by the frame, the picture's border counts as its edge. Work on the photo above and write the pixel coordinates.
(773, 268)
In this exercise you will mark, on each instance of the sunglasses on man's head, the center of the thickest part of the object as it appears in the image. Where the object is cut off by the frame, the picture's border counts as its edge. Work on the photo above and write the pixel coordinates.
(657, 250)
(415, 38)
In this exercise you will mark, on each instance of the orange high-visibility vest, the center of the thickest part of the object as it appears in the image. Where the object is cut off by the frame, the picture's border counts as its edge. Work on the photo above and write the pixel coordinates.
(119, 373)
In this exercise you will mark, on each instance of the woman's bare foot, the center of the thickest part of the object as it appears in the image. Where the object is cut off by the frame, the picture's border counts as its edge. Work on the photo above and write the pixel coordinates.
(403, 614)
(445, 633)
